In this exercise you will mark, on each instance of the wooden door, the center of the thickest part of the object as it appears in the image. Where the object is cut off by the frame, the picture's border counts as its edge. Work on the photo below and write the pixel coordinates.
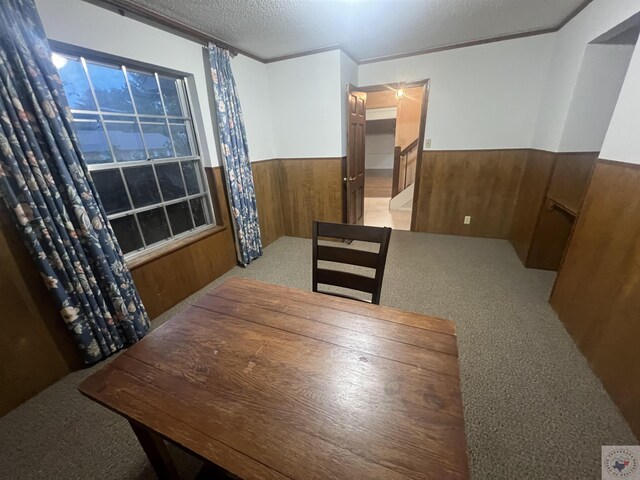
(354, 174)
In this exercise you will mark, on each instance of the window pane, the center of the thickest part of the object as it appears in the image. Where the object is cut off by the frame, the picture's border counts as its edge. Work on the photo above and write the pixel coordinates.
(93, 142)
(170, 180)
(179, 217)
(76, 85)
(126, 141)
(153, 224)
(181, 140)
(111, 190)
(146, 94)
(153, 119)
(197, 208)
(157, 139)
(142, 186)
(127, 233)
(123, 115)
(170, 96)
(191, 177)
(111, 88)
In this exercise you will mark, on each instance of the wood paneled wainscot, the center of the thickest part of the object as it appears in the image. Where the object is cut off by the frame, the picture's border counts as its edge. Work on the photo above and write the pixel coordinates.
(311, 189)
(482, 184)
(293, 192)
(166, 279)
(35, 347)
(533, 190)
(550, 198)
(597, 292)
(266, 180)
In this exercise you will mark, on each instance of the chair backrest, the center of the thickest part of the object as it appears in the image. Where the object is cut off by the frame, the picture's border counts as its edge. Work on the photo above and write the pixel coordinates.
(350, 256)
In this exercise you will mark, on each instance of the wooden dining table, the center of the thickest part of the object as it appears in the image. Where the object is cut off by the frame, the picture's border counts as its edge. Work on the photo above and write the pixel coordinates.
(269, 382)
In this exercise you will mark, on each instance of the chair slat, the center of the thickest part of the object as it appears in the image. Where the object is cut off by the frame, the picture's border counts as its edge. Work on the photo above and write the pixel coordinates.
(350, 256)
(346, 280)
(342, 295)
(340, 230)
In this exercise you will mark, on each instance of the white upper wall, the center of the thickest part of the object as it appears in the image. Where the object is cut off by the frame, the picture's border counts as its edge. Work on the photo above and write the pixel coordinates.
(510, 94)
(484, 96)
(379, 150)
(291, 108)
(252, 80)
(571, 41)
(305, 105)
(622, 142)
(594, 97)
(85, 25)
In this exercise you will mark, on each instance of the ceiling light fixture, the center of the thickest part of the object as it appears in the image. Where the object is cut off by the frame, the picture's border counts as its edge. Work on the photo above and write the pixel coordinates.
(400, 93)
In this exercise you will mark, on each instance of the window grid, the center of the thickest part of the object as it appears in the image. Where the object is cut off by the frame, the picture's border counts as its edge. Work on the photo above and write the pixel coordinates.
(138, 119)
(146, 149)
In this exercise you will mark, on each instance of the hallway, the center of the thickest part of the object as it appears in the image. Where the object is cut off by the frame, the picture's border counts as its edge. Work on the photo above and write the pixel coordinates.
(376, 202)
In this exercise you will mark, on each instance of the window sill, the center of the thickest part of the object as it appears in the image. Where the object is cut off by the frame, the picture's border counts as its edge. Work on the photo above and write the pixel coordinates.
(156, 253)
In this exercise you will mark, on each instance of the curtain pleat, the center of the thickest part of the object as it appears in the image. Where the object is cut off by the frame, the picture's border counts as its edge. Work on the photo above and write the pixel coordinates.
(47, 186)
(235, 153)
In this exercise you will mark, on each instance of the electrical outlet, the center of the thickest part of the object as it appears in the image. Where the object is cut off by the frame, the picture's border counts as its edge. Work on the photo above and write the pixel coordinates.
(467, 220)
(427, 143)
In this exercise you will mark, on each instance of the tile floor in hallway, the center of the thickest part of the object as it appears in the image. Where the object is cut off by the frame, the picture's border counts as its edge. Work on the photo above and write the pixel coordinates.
(377, 214)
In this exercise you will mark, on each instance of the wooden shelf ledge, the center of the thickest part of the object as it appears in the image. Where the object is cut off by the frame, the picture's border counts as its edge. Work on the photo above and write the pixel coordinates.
(564, 206)
(170, 247)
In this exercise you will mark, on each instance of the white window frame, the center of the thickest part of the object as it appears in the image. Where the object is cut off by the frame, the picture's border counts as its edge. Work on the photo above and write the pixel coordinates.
(189, 119)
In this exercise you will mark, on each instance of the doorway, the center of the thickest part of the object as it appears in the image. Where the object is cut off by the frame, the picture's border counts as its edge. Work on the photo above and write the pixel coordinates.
(385, 142)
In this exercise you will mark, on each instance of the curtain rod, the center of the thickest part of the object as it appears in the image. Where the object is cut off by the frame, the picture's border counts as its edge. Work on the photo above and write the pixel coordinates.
(127, 7)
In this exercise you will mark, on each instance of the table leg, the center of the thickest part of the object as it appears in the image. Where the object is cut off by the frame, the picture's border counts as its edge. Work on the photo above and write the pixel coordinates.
(156, 450)
(210, 471)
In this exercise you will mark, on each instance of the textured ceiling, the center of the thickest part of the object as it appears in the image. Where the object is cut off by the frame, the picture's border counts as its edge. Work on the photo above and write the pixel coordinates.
(364, 28)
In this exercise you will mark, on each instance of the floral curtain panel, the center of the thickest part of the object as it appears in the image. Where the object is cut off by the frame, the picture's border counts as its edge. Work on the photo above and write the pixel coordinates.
(45, 182)
(233, 144)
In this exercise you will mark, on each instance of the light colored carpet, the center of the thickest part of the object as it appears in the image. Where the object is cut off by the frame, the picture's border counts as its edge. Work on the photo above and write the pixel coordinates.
(533, 409)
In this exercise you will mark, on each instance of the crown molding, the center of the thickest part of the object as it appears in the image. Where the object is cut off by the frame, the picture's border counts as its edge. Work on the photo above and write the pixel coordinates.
(455, 46)
(158, 20)
(149, 16)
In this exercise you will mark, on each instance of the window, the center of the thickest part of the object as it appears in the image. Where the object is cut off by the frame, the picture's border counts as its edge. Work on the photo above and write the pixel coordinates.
(136, 133)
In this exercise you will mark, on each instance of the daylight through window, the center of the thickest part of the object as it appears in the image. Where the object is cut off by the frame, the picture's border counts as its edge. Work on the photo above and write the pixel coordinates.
(136, 133)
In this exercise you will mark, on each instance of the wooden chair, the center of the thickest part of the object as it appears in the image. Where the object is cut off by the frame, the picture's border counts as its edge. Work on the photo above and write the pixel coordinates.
(350, 256)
